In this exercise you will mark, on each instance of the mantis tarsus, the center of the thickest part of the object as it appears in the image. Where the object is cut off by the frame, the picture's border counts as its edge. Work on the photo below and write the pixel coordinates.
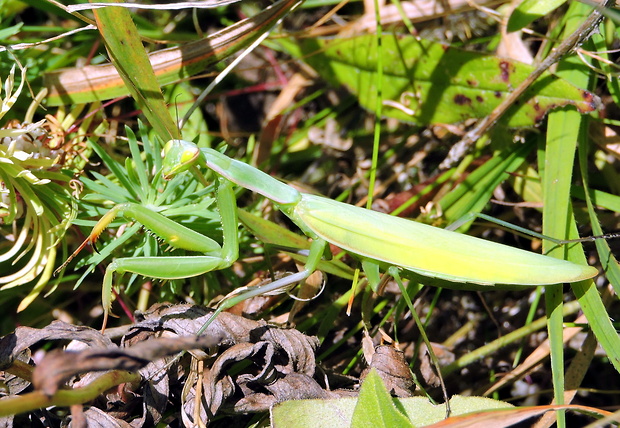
(378, 239)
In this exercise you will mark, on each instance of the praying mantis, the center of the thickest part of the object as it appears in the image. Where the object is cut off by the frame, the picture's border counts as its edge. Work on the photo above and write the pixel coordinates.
(379, 240)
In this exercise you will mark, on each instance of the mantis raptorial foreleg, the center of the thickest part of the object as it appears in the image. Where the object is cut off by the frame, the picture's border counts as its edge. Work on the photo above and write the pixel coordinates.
(177, 236)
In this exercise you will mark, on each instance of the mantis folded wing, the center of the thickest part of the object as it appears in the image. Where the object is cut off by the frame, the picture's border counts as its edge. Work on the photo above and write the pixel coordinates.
(381, 239)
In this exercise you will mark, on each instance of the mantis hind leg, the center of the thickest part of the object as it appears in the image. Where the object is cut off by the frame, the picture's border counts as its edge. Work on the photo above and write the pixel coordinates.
(317, 248)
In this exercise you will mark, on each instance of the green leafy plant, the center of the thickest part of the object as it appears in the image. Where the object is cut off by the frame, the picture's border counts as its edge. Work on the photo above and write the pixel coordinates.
(35, 206)
(316, 138)
(139, 181)
(376, 408)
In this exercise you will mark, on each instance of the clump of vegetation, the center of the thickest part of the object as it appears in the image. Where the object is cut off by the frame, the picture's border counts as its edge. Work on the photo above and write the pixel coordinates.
(485, 112)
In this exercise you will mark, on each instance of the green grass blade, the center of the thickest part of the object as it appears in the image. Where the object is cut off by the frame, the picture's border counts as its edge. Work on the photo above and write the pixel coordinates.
(378, 87)
(599, 198)
(139, 166)
(152, 150)
(475, 191)
(565, 128)
(117, 169)
(130, 59)
(106, 188)
(587, 293)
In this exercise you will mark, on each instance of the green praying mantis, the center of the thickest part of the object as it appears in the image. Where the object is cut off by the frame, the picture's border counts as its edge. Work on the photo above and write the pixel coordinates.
(379, 240)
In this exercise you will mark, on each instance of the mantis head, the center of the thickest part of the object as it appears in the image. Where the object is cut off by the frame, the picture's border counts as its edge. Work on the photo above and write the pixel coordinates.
(179, 156)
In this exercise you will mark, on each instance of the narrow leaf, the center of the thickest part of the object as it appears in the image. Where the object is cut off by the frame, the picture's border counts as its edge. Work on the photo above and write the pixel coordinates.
(427, 82)
(130, 59)
(530, 10)
(375, 407)
(472, 195)
(101, 82)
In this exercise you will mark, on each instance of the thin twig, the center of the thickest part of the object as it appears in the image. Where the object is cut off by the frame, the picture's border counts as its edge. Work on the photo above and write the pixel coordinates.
(203, 4)
(570, 43)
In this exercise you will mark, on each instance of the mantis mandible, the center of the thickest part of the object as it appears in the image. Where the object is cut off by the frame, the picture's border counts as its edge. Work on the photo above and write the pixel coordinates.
(379, 240)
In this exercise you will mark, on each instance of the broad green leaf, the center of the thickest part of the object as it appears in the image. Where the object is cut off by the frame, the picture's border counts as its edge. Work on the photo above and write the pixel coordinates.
(425, 82)
(375, 407)
(530, 10)
(340, 412)
(465, 412)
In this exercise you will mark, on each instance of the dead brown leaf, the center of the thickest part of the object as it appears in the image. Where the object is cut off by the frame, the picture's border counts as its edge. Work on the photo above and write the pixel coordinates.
(278, 365)
(393, 369)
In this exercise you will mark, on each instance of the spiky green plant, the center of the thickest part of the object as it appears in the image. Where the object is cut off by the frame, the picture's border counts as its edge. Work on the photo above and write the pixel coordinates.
(139, 181)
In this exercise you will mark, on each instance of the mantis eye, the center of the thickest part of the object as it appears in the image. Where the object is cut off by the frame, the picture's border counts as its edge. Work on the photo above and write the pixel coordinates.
(188, 156)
